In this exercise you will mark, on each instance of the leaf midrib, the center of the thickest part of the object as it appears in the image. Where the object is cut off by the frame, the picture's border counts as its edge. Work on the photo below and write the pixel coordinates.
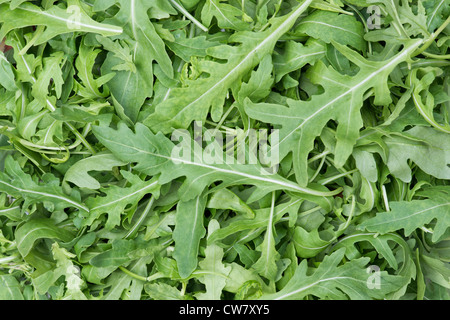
(350, 91)
(118, 30)
(407, 217)
(250, 55)
(46, 194)
(281, 183)
(126, 196)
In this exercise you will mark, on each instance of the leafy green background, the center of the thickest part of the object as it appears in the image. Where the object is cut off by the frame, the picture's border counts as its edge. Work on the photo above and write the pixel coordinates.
(94, 203)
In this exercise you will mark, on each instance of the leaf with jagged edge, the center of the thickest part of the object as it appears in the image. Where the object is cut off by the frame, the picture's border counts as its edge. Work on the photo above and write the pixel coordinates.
(129, 88)
(404, 21)
(423, 88)
(341, 101)
(227, 15)
(414, 214)
(239, 225)
(7, 80)
(212, 272)
(333, 280)
(118, 198)
(51, 74)
(78, 173)
(327, 26)
(65, 266)
(15, 182)
(157, 155)
(51, 132)
(56, 20)
(31, 231)
(403, 264)
(121, 50)
(296, 55)
(436, 11)
(258, 87)
(10, 288)
(416, 23)
(90, 85)
(186, 47)
(26, 64)
(428, 148)
(195, 101)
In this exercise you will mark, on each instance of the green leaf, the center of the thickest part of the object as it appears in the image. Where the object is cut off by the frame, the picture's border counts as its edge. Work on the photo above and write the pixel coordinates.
(115, 257)
(7, 80)
(51, 74)
(90, 85)
(118, 198)
(423, 85)
(228, 200)
(303, 121)
(79, 172)
(435, 13)
(384, 249)
(129, 88)
(332, 280)
(224, 150)
(122, 285)
(227, 15)
(36, 229)
(308, 244)
(161, 157)
(267, 263)
(413, 145)
(189, 230)
(410, 216)
(194, 102)
(74, 283)
(435, 270)
(10, 288)
(163, 291)
(296, 55)
(261, 220)
(330, 26)
(122, 51)
(212, 272)
(56, 20)
(186, 48)
(20, 185)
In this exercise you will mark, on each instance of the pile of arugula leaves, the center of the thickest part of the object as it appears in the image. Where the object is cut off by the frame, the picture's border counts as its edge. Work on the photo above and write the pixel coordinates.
(95, 97)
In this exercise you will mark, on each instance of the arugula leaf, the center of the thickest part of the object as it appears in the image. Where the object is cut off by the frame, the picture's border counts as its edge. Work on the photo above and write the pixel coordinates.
(266, 264)
(55, 19)
(10, 289)
(302, 121)
(130, 88)
(7, 80)
(411, 147)
(224, 150)
(212, 272)
(79, 172)
(36, 229)
(328, 26)
(160, 157)
(194, 102)
(189, 230)
(117, 199)
(333, 281)
(412, 215)
(226, 15)
(17, 183)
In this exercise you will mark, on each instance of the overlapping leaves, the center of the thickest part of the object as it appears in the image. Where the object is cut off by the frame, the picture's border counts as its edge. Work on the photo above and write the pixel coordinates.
(103, 197)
